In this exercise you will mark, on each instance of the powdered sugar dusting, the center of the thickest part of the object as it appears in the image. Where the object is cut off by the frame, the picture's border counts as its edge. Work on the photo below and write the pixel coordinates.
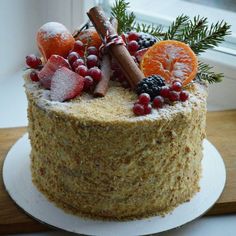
(65, 85)
(52, 29)
(116, 105)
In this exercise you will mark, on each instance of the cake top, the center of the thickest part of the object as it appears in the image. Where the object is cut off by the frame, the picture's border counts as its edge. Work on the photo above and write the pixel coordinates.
(116, 69)
(116, 106)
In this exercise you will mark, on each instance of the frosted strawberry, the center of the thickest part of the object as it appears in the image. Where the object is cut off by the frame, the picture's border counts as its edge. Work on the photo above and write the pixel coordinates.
(139, 54)
(54, 62)
(66, 84)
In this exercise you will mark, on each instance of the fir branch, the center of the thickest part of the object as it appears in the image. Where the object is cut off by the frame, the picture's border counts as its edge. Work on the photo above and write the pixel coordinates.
(125, 20)
(175, 29)
(205, 73)
(193, 28)
(208, 38)
(156, 31)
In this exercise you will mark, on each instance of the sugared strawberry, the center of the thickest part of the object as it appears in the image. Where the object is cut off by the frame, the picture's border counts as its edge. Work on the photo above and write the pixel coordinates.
(139, 54)
(54, 62)
(66, 84)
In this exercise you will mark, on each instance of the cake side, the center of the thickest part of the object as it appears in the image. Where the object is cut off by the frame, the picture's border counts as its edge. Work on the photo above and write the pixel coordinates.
(115, 168)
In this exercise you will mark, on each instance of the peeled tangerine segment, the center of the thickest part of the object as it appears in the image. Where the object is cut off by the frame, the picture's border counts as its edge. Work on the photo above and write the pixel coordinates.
(54, 38)
(172, 60)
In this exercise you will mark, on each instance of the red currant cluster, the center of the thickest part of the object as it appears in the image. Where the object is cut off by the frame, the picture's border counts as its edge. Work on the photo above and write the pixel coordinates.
(84, 61)
(33, 62)
(168, 93)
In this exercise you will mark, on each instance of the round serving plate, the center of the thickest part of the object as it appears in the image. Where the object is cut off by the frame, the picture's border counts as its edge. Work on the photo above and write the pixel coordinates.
(18, 183)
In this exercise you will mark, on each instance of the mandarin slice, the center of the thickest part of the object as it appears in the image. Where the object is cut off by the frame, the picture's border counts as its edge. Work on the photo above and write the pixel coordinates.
(170, 59)
(90, 37)
(54, 38)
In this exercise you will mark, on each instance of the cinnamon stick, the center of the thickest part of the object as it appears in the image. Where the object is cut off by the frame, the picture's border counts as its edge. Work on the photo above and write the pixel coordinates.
(102, 85)
(118, 51)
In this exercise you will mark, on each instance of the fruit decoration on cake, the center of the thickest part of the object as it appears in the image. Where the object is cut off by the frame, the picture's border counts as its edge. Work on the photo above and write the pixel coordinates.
(159, 66)
(136, 96)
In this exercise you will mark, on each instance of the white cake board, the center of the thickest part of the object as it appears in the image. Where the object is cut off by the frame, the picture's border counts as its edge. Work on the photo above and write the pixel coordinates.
(17, 180)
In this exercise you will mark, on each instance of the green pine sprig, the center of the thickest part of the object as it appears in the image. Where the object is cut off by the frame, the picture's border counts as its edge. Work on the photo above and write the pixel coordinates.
(208, 37)
(154, 30)
(205, 73)
(125, 20)
(176, 28)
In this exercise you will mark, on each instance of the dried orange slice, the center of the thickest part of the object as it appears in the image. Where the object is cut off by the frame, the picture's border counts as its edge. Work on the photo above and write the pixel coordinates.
(172, 60)
(90, 37)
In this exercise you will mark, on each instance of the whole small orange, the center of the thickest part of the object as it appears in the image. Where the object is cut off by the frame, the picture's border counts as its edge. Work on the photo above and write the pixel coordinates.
(54, 38)
(90, 37)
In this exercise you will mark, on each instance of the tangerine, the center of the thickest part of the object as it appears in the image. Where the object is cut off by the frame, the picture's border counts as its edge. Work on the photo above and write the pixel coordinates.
(170, 59)
(90, 37)
(54, 38)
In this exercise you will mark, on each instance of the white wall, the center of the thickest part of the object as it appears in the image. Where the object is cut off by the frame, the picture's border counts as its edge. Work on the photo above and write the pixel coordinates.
(20, 20)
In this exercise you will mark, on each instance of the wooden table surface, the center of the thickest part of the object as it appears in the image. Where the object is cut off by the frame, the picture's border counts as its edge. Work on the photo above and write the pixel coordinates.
(221, 131)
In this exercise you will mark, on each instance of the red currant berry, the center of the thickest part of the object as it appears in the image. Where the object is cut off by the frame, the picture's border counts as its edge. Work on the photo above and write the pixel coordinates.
(92, 60)
(33, 61)
(88, 82)
(82, 70)
(158, 102)
(173, 96)
(95, 73)
(92, 51)
(176, 86)
(138, 109)
(72, 57)
(132, 46)
(133, 36)
(78, 46)
(144, 98)
(77, 63)
(34, 76)
(147, 109)
(165, 91)
(184, 95)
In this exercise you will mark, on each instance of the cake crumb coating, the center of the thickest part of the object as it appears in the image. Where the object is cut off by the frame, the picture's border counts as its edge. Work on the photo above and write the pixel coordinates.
(94, 158)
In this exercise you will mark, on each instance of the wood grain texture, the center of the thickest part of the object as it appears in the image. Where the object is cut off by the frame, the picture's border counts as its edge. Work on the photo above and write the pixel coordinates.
(221, 131)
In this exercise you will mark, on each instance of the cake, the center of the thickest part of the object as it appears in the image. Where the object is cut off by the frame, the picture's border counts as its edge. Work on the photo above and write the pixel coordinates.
(99, 152)
(94, 158)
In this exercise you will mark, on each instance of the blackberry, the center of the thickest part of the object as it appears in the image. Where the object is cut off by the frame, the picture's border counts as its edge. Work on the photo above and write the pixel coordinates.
(146, 40)
(151, 85)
